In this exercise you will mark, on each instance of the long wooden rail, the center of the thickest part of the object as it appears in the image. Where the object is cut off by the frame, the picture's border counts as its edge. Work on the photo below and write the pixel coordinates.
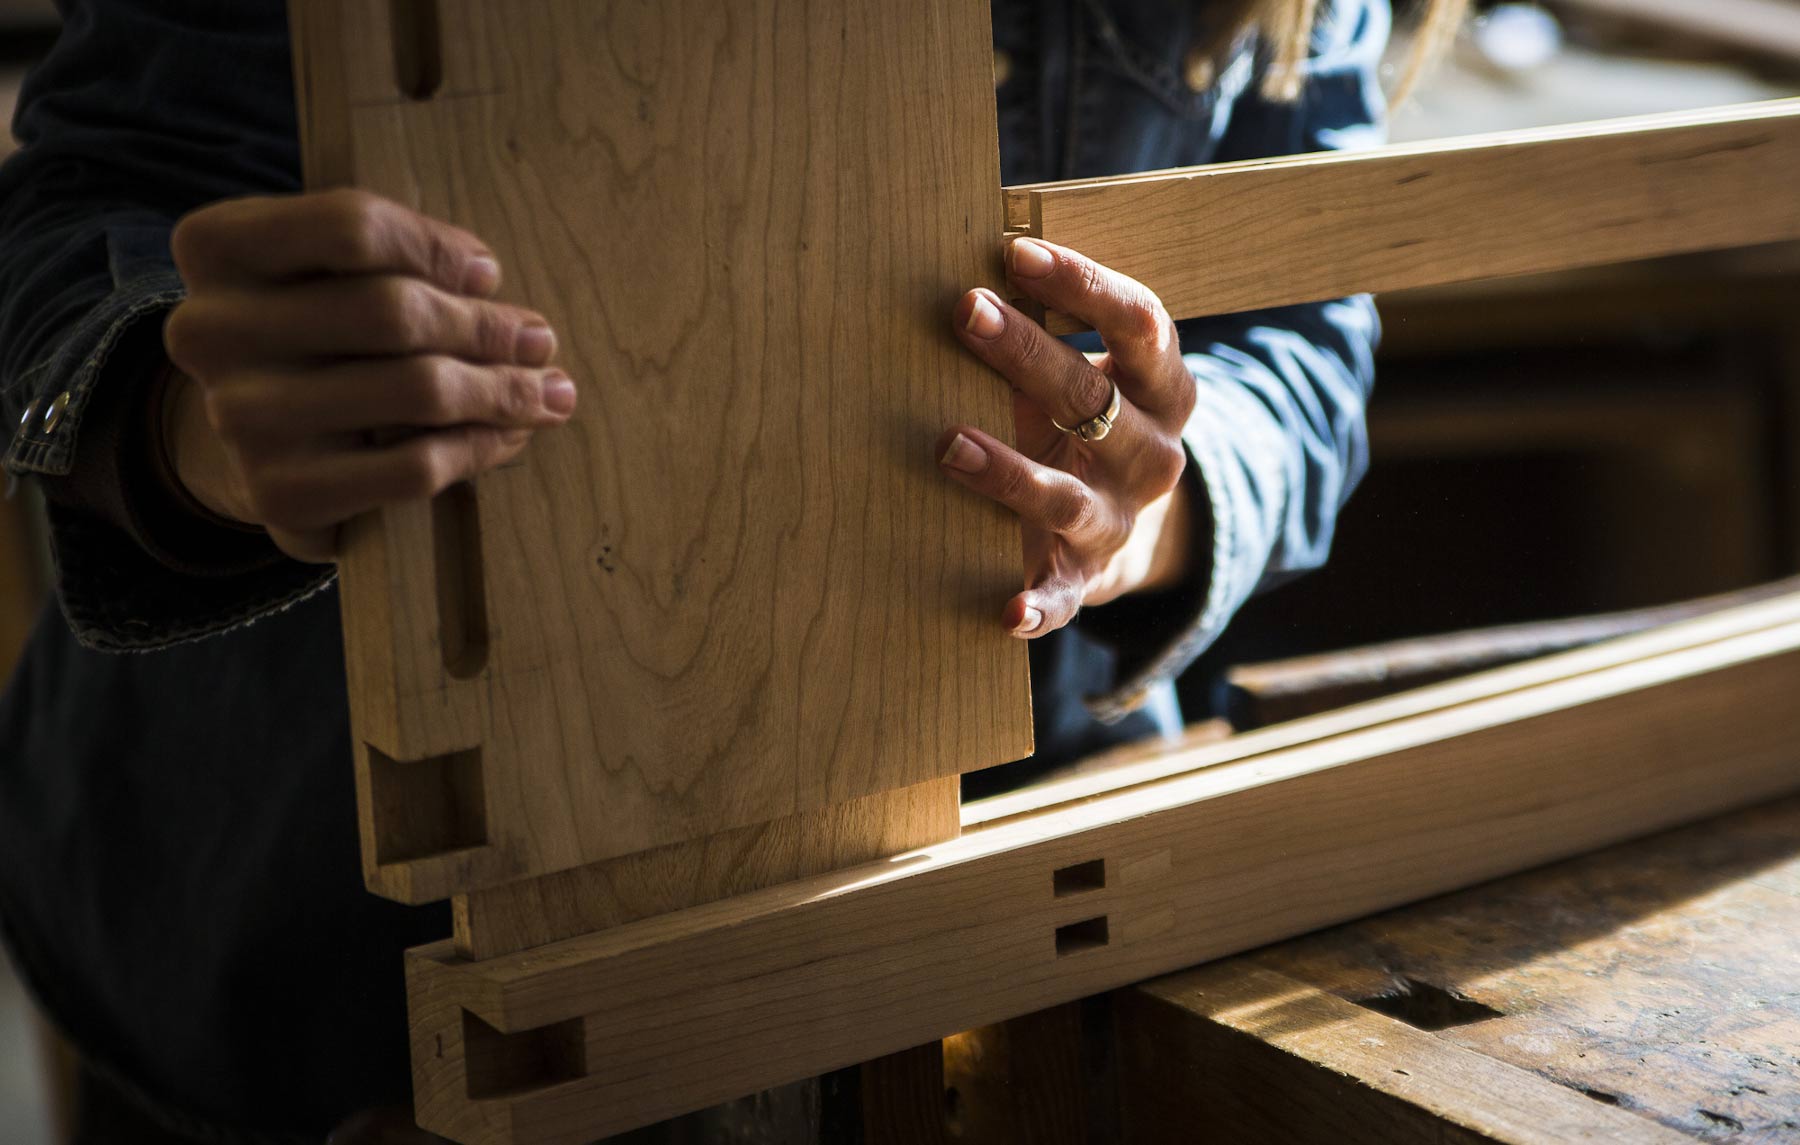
(1263, 233)
(1384, 804)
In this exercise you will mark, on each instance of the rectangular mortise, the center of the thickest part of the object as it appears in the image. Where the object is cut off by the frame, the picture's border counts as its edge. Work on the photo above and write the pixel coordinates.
(461, 580)
(1089, 934)
(500, 1065)
(426, 807)
(1079, 878)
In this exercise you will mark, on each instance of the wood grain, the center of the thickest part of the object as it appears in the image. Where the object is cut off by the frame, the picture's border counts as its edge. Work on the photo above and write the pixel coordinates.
(1653, 980)
(682, 1010)
(581, 900)
(1240, 1055)
(735, 588)
(1264, 233)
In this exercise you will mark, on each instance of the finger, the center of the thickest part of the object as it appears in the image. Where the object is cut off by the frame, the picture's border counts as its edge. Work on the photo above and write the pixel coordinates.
(382, 393)
(1127, 315)
(345, 232)
(311, 492)
(1048, 605)
(1044, 497)
(349, 318)
(315, 547)
(1055, 375)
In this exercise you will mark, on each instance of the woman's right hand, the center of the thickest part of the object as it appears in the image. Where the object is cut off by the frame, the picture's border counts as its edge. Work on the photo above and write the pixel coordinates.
(338, 351)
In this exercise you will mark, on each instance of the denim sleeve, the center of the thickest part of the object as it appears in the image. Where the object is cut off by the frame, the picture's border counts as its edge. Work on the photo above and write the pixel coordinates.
(142, 111)
(1278, 439)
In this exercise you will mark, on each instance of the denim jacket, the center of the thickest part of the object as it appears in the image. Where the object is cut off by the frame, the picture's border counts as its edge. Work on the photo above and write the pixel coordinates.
(146, 109)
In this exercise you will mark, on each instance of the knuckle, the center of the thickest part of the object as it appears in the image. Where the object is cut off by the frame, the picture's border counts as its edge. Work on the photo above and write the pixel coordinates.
(191, 338)
(1087, 275)
(1187, 396)
(1089, 393)
(429, 383)
(492, 329)
(1013, 485)
(1171, 463)
(1147, 323)
(1071, 510)
(401, 313)
(516, 395)
(190, 242)
(422, 471)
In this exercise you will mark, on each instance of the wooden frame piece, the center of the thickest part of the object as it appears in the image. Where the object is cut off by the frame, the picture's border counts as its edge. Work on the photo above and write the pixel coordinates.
(1361, 810)
(1224, 238)
(488, 638)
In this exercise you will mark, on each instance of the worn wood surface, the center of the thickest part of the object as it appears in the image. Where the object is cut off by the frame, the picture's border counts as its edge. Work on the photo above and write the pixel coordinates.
(682, 1010)
(1654, 986)
(1026, 1079)
(735, 588)
(1250, 1057)
(1220, 239)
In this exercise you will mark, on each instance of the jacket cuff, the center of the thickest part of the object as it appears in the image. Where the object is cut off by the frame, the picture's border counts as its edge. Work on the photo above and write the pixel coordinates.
(132, 572)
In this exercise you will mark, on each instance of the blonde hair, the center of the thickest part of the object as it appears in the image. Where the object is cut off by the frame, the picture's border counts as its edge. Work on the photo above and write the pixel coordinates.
(1286, 27)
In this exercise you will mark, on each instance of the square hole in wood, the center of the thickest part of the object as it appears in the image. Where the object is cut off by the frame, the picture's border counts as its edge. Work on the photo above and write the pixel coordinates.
(498, 1064)
(1428, 1007)
(1089, 934)
(426, 807)
(1073, 880)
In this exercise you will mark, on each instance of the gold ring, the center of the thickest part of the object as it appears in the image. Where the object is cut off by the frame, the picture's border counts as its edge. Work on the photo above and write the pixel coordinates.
(1098, 426)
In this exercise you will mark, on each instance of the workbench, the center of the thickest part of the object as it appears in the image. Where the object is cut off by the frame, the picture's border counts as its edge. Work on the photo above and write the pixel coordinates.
(1646, 993)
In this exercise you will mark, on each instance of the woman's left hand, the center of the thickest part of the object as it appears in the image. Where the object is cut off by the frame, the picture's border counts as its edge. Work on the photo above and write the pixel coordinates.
(1102, 518)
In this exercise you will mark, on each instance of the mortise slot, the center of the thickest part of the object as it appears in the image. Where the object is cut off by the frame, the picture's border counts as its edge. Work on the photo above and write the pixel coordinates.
(418, 48)
(426, 807)
(1079, 878)
(1428, 1007)
(500, 1065)
(461, 583)
(1089, 934)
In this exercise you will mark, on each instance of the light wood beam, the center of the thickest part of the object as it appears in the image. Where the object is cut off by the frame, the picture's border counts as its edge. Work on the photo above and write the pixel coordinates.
(1264, 233)
(679, 1011)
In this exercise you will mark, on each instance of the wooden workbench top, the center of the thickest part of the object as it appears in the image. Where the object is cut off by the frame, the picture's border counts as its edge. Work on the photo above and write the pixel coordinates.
(1649, 992)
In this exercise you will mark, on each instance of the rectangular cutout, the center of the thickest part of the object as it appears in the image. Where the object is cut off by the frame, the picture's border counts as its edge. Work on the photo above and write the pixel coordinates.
(1088, 934)
(500, 1064)
(426, 807)
(461, 582)
(1079, 878)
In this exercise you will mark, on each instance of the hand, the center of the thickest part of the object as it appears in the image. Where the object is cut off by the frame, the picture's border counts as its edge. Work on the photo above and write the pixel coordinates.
(382, 1127)
(1101, 518)
(338, 351)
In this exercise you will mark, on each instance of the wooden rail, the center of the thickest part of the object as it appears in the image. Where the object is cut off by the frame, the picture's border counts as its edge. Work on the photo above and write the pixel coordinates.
(1385, 804)
(1252, 235)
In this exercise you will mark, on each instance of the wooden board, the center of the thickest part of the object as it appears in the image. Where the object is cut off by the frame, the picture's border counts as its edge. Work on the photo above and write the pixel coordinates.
(1245, 236)
(646, 1020)
(1643, 993)
(1222, 1057)
(735, 589)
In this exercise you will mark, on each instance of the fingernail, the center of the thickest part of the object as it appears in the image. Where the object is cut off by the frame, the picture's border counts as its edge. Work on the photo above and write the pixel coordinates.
(1031, 260)
(984, 318)
(481, 277)
(536, 344)
(965, 456)
(1030, 622)
(559, 393)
